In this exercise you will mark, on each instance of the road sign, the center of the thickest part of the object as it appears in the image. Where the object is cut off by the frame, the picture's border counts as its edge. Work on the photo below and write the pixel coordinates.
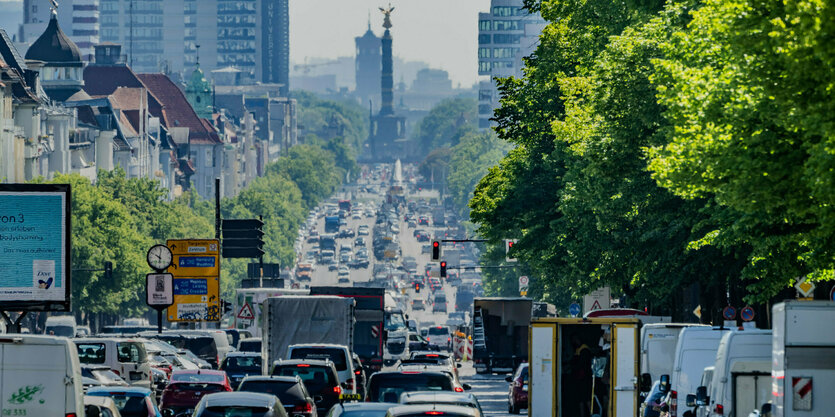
(729, 313)
(246, 312)
(243, 238)
(747, 313)
(196, 271)
(574, 309)
(159, 290)
(805, 287)
(698, 311)
(599, 299)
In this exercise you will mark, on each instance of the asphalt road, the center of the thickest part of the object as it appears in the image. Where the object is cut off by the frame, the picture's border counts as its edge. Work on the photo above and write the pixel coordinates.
(491, 390)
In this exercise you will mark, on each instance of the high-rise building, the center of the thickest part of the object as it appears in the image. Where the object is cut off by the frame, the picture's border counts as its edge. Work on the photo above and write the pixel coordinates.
(274, 49)
(78, 18)
(506, 34)
(368, 66)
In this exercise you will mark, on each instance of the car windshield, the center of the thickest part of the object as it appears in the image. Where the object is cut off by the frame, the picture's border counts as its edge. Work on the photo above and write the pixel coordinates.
(242, 363)
(394, 321)
(388, 387)
(235, 411)
(195, 386)
(288, 392)
(335, 355)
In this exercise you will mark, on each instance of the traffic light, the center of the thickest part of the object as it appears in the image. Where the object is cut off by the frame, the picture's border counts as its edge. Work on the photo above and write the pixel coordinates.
(436, 250)
(417, 287)
(108, 270)
(443, 269)
(242, 238)
(508, 247)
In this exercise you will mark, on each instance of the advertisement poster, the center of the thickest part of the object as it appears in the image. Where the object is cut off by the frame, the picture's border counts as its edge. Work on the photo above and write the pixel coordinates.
(34, 245)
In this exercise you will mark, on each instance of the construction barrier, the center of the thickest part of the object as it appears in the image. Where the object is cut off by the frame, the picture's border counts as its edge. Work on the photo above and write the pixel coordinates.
(462, 347)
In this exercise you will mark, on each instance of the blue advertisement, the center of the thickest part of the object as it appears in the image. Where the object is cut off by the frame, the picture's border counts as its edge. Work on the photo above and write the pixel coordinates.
(34, 244)
(189, 286)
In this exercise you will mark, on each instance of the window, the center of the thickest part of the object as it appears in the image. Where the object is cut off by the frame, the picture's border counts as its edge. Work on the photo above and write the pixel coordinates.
(483, 25)
(483, 39)
(506, 38)
(508, 11)
(505, 25)
(485, 95)
(505, 52)
(484, 66)
(502, 64)
(130, 352)
(484, 52)
(485, 109)
(92, 353)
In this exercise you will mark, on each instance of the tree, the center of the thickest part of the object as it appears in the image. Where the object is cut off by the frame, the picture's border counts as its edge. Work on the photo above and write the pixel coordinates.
(313, 169)
(446, 123)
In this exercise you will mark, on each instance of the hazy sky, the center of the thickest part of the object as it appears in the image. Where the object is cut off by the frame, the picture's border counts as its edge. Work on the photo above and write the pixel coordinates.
(443, 33)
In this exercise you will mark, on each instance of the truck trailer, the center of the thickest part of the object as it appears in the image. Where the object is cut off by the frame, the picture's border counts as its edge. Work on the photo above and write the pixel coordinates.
(500, 329)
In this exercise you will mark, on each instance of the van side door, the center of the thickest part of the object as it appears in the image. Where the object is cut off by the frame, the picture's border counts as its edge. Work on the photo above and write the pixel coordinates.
(624, 369)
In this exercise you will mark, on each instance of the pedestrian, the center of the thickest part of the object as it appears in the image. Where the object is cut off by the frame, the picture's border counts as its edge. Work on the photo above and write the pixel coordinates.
(581, 377)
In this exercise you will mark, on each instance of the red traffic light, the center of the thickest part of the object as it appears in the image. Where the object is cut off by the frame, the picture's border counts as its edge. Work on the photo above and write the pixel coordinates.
(443, 264)
(436, 243)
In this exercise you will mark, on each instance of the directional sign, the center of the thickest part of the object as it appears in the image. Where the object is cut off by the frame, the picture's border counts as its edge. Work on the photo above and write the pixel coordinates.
(574, 309)
(729, 313)
(246, 312)
(196, 272)
(243, 238)
(805, 287)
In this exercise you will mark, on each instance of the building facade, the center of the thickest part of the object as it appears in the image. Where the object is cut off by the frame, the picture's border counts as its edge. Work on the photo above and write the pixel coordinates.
(506, 34)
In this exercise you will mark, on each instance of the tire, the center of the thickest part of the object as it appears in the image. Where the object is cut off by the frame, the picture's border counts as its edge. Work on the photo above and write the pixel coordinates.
(513, 409)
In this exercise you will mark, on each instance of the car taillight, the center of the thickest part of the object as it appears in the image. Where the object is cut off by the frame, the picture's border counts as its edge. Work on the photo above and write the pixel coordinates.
(70, 415)
(459, 389)
(303, 365)
(719, 409)
(434, 413)
(337, 390)
(358, 372)
(674, 403)
(304, 408)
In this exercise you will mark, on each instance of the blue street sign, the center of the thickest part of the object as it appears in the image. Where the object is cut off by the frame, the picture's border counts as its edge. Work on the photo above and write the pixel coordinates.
(574, 309)
(729, 313)
(747, 313)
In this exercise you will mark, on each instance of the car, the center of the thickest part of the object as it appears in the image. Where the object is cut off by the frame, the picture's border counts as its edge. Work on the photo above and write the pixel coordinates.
(387, 386)
(250, 344)
(100, 375)
(360, 242)
(333, 267)
(423, 221)
(356, 215)
(411, 224)
(362, 230)
(517, 396)
(187, 387)
(425, 249)
(432, 410)
(439, 302)
(100, 407)
(418, 304)
(131, 401)
(456, 318)
(463, 399)
(319, 377)
(339, 355)
(125, 356)
(361, 409)
(290, 390)
(238, 365)
(417, 342)
(439, 336)
(233, 404)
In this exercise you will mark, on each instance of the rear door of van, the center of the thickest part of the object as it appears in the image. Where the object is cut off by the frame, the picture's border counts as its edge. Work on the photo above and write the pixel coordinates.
(35, 379)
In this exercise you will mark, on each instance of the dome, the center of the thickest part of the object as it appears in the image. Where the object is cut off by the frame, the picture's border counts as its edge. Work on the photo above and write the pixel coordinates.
(54, 46)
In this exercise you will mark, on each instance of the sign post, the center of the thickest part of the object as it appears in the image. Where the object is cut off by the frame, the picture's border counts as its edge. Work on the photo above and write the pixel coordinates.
(599, 299)
(196, 272)
(159, 294)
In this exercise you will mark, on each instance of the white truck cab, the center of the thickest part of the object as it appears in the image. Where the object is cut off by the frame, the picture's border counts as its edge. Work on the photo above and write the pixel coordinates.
(39, 376)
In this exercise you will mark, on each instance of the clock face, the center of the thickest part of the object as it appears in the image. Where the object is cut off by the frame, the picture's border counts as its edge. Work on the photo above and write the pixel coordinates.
(159, 257)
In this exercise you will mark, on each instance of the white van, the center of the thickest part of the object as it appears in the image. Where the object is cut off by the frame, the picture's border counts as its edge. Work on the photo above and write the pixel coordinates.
(658, 348)
(60, 326)
(695, 350)
(126, 357)
(39, 376)
(741, 374)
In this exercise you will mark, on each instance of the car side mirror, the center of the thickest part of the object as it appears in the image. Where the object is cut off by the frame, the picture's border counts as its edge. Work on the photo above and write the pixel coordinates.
(508, 378)
(701, 396)
(466, 387)
(691, 400)
(646, 382)
(664, 384)
(457, 365)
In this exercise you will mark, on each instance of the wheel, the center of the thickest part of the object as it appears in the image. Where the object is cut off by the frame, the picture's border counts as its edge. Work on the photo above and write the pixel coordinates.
(512, 409)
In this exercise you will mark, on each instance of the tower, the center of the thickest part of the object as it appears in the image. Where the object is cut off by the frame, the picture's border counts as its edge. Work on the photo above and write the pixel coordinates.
(368, 65)
(387, 135)
(61, 75)
(199, 93)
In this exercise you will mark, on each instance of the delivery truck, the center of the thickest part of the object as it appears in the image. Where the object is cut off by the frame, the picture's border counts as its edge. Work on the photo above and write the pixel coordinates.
(369, 313)
(500, 328)
(290, 320)
(803, 359)
(584, 363)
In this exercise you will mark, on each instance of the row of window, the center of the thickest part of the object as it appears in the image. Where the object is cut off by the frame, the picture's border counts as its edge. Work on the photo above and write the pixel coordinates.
(488, 25)
(487, 66)
(497, 52)
(509, 11)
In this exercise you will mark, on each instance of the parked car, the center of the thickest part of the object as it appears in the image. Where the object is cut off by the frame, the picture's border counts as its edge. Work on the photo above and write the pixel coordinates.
(517, 397)
(131, 401)
(238, 365)
(294, 396)
(233, 404)
(319, 377)
(187, 388)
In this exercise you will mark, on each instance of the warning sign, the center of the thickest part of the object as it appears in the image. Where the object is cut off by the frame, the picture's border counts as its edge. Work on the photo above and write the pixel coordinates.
(246, 312)
(599, 299)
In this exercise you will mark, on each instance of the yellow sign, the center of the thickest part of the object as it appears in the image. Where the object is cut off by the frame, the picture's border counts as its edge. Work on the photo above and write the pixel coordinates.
(196, 270)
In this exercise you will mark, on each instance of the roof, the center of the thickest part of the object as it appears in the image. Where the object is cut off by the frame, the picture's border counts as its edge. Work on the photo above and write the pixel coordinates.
(239, 398)
(272, 378)
(54, 46)
(426, 408)
(176, 110)
(128, 391)
(102, 80)
(436, 397)
(368, 406)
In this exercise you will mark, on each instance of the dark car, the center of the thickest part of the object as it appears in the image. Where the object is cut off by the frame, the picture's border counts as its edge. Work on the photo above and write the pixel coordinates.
(289, 389)
(250, 344)
(517, 397)
(250, 404)
(187, 388)
(387, 386)
(241, 364)
(319, 377)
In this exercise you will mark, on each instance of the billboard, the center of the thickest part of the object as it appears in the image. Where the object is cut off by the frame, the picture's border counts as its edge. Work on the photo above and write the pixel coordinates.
(35, 256)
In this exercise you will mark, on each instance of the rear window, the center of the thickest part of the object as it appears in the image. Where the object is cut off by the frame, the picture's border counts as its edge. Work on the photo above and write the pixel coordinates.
(388, 387)
(130, 352)
(91, 352)
(65, 331)
(315, 378)
(235, 411)
(438, 331)
(250, 346)
(335, 355)
(130, 406)
(287, 392)
(194, 386)
(194, 377)
(241, 363)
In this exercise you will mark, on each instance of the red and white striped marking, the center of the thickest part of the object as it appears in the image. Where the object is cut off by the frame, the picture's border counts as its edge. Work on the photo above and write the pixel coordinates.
(375, 331)
(802, 388)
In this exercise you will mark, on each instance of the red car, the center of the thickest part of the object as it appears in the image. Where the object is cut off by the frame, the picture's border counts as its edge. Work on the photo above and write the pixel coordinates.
(517, 397)
(186, 388)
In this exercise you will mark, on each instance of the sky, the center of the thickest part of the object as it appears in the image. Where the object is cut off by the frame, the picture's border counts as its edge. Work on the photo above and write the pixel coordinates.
(442, 33)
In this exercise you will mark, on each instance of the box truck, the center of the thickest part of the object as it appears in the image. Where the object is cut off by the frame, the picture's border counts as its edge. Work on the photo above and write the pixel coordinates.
(500, 327)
